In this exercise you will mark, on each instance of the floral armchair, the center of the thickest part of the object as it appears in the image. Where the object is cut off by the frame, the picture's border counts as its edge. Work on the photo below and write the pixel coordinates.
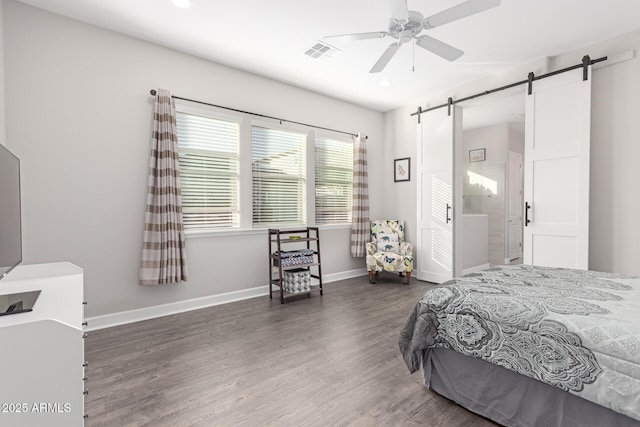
(387, 250)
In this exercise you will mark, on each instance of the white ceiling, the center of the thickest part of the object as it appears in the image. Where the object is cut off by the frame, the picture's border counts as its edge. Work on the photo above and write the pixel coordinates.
(269, 37)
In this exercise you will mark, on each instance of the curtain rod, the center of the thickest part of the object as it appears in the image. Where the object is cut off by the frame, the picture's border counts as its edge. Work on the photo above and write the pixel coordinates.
(153, 92)
(586, 61)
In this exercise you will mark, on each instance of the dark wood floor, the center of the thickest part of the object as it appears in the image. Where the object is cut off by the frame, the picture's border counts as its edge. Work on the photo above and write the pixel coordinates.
(323, 361)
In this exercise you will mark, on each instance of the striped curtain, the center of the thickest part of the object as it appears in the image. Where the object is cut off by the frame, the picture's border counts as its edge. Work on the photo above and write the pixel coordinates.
(163, 247)
(360, 233)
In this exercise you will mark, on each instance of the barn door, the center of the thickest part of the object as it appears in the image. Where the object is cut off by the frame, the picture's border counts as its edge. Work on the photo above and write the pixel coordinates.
(556, 191)
(439, 186)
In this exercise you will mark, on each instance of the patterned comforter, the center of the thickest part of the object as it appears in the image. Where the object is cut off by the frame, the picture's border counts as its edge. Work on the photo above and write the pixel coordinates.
(573, 329)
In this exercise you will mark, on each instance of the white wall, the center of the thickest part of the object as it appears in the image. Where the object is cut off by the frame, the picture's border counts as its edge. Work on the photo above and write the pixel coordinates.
(615, 203)
(614, 230)
(516, 139)
(2, 90)
(400, 197)
(79, 115)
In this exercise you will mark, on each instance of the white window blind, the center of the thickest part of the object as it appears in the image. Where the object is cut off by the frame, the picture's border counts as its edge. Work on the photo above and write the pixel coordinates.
(334, 181)
(209, 169)
(279, 176)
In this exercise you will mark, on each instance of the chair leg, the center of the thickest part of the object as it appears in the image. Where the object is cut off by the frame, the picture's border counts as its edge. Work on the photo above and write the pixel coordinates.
(408, 278)
(371, 280)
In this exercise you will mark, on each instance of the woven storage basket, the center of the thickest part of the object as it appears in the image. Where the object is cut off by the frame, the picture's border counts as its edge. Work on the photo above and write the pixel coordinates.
(297, 280)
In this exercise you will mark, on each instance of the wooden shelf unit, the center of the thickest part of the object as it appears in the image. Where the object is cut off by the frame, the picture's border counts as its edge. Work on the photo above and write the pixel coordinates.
(277, 239)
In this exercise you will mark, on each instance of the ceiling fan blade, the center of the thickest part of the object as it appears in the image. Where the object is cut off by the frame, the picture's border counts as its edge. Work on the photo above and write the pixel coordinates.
(385, 58)
(359, 36)
(442, 49)
(399, 9)
(462, 10)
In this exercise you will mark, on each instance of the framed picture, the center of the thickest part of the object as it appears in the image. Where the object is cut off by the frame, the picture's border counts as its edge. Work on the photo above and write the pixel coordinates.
(402, 169)
(479, 155)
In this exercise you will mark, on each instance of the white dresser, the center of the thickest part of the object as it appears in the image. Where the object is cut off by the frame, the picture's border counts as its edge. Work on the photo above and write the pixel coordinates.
(42, 351)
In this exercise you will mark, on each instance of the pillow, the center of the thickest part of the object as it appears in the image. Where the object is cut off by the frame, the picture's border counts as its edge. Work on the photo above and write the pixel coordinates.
(387, 243)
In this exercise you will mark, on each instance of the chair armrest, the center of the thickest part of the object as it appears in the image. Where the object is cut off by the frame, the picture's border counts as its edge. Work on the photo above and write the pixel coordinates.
(406, 249)
(371, 248)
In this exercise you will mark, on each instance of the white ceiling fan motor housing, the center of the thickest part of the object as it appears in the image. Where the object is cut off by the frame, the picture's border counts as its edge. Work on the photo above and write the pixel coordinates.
(406, 30)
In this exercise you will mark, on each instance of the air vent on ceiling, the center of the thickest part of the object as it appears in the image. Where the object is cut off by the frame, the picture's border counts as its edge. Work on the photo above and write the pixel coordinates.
(322, 50)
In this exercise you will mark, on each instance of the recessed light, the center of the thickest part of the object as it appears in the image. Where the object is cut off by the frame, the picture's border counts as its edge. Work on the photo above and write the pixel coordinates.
(384, 83)
(182, 3)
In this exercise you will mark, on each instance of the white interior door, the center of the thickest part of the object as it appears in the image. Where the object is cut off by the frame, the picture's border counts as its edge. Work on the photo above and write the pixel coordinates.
(556, 190)
(514, 206)
(439, 201)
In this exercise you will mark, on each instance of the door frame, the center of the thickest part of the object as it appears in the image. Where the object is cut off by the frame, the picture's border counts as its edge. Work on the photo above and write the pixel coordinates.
(519, 203)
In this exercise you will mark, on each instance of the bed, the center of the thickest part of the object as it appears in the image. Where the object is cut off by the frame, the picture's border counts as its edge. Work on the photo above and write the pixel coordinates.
(532, 346)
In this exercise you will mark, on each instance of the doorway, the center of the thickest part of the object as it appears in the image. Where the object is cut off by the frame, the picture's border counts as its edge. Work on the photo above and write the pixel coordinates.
(493, 141)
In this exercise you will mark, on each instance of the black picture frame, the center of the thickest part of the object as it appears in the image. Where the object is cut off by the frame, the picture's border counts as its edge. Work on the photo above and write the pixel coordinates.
(402, 169)
(478, 155)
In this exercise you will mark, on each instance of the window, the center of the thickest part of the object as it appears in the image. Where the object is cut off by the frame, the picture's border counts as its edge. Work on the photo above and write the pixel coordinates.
(209, 169)
(278, 160)
(211, 163)
(334, 181)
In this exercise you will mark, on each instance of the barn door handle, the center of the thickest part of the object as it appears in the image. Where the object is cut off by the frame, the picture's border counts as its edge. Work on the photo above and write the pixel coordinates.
(447, 215)
(527, 206)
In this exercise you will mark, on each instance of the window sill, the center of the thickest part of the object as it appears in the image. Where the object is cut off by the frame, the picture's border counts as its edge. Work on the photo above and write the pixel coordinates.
(222, 233)
(335, 226)
(254, 231)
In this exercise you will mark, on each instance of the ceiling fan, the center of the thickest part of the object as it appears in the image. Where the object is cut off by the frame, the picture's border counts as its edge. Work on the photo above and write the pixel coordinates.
(406, 25)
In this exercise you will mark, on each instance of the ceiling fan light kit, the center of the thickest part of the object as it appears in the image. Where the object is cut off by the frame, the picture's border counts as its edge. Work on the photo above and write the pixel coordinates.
(405, 25)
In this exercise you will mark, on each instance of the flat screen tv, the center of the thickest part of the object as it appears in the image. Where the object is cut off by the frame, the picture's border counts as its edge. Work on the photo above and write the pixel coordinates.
(10, 224)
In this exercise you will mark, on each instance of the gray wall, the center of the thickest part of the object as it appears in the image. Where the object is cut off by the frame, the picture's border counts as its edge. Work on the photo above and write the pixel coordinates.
(79, 115)
(2, 91)
(615, 202)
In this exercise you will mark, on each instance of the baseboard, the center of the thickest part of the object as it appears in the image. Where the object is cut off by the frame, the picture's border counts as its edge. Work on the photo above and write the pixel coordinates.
(139, 314)
(476, 268)
(124, 317)
(334, 277)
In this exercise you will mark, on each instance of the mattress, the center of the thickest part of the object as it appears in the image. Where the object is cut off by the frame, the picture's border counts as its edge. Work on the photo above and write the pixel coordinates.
(574, 330)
